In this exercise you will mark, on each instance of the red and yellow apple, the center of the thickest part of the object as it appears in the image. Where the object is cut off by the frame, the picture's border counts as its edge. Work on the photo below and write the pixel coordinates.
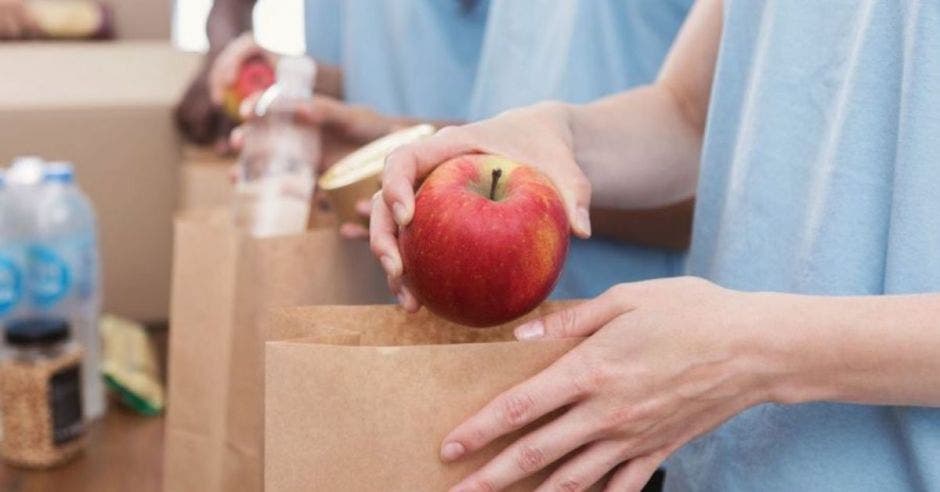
(255, 75)
(487, 241)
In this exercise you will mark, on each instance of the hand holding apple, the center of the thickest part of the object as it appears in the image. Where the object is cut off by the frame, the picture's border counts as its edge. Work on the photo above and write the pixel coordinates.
(487, 242)
(539, 136)
(254, 76)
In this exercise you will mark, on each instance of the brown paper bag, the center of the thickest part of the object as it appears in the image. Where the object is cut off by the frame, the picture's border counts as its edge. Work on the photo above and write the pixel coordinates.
(222, 279)
(358, 398)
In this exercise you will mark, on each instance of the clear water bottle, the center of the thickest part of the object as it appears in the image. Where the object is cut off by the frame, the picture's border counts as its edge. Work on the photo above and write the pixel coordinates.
(277, 165)
(13, 242)
(64, 276)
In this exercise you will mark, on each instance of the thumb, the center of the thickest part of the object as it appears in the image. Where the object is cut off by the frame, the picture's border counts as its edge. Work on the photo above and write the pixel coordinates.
(577, 321)
(575, 191)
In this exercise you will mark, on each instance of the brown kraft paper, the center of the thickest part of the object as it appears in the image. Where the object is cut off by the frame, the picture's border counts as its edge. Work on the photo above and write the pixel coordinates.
(359, 398)
(222, 280)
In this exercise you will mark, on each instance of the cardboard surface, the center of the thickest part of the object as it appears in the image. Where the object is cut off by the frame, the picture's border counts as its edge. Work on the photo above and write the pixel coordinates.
(108, 108)
(359, 398)
(222, 282)
(205, 179)
(143, 19)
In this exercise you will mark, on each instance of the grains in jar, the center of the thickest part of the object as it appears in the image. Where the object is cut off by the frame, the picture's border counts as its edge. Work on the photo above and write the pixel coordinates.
(40, 394)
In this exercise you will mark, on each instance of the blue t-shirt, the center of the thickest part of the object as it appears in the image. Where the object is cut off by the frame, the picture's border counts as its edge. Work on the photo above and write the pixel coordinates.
(401, 57)
(821, 175)
(578, 51)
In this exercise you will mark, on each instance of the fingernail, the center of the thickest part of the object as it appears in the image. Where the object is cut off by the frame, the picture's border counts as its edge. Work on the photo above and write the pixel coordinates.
(583, 221)
(532, 330)
(401, 215)
(452, 450)
(391, 266)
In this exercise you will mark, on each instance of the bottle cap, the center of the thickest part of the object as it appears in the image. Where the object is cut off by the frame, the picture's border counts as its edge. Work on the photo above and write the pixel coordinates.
(36, 331)
(25, 170)
(59, 172)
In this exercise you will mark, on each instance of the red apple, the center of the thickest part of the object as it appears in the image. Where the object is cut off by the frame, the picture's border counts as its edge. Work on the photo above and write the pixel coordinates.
(487, 241)
(255, 75)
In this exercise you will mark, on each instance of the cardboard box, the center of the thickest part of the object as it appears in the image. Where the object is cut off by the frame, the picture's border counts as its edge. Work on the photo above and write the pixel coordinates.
(108, 108)
(205, 179)
(143, 19)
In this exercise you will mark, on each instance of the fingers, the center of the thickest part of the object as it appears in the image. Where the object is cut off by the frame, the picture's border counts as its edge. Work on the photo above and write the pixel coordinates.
(352, 230)
(577, 198)
(404, 166)
(577, 321)
(406, 299)
(364, 208)
(633, 475)
(382, 238)
(586, 468)
(531, 453)
(549, 390)
(225, 68)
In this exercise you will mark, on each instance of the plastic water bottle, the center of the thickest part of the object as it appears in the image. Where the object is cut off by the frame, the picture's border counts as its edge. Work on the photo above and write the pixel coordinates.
(12, 256)
(277, 165)
(64, 276)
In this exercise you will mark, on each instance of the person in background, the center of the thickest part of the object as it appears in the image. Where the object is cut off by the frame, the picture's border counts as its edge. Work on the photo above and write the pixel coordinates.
(16, 22)
(805, 355)
(577, 52)
(381, 66)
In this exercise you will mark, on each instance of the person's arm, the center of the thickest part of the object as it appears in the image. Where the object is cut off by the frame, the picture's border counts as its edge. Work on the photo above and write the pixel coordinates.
(227, 20)
(636, 150)
(879, 350)
(647, 380)
(668, 227)
(197, 116)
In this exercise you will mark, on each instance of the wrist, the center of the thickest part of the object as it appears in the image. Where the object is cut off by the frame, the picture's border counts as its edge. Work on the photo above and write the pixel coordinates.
(787, 345)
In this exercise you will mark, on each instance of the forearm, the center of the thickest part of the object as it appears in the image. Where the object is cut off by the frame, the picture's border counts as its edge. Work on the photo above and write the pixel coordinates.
(871, 349)
(663, 227)
(227, 19)
(641, 149)
(636, 149)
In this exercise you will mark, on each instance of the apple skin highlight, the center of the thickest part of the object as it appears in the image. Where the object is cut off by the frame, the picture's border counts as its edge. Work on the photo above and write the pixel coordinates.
(482, 262)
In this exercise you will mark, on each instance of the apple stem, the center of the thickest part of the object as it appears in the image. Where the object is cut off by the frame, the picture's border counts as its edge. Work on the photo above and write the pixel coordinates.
(496, 174)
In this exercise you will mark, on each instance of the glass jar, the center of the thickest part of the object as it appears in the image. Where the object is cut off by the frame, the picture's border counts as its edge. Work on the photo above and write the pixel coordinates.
(40, 394)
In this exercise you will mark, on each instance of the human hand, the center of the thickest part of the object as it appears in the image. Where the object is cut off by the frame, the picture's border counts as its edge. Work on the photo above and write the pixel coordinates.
(199, 119)
(538, 135)
(665, 361)
(223, 72)
(16, 21)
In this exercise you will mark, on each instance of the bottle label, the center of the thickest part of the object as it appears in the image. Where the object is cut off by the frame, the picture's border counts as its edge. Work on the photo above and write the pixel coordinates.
(49, 276)
(65, 404)
(11, 283)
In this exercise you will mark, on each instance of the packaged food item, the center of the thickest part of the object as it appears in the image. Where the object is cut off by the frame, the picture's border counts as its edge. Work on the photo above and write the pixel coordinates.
(72, 19)
(130, 365)
(41, 394)
(359, 175)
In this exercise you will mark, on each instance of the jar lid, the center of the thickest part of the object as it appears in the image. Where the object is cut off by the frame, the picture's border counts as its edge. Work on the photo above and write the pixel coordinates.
(36, 331)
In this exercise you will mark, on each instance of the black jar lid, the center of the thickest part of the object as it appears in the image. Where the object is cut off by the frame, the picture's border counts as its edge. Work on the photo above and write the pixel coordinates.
(36, 331)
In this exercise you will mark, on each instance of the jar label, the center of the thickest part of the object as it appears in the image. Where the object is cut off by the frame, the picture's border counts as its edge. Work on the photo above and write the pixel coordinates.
(65, 404)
